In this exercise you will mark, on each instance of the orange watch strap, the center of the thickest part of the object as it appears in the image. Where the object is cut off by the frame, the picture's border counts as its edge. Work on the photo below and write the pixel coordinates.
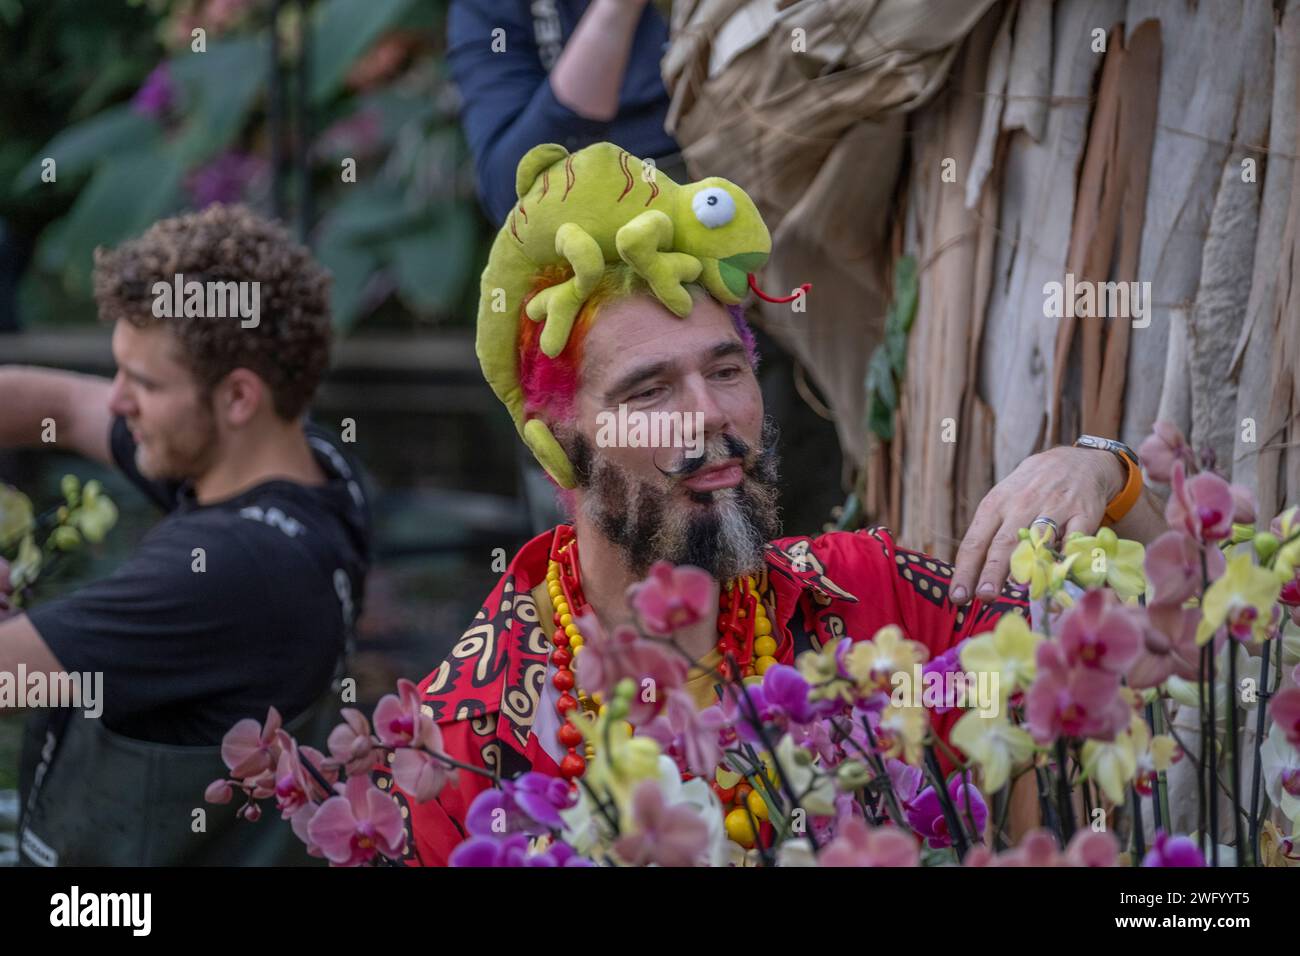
(1119, 506)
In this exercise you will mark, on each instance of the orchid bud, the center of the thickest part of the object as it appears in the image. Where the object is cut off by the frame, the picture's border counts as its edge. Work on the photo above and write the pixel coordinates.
(1266, 545)
(852, 775)
(219, 791)
(1241, 533)
(66, 538)
(70, 487)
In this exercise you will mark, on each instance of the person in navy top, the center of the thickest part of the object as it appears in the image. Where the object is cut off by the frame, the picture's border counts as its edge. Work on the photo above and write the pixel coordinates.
(572, 72)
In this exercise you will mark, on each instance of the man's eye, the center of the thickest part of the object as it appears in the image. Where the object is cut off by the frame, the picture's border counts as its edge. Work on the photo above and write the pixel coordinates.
(730, 372)
(648, 394)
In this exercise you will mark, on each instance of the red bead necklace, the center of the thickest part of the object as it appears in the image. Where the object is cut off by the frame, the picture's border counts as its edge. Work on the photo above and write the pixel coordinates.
(739, 615)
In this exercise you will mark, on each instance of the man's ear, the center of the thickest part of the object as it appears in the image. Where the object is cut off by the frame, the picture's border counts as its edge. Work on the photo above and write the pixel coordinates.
(239, 397)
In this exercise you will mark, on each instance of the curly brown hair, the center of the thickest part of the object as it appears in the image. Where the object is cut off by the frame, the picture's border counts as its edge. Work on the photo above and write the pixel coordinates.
(288, 348)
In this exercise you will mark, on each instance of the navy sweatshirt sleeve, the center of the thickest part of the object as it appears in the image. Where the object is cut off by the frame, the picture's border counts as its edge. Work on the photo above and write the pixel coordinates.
(508, 105)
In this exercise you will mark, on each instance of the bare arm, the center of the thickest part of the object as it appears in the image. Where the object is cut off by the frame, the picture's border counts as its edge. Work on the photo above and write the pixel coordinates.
(588, 75)
(31, 399)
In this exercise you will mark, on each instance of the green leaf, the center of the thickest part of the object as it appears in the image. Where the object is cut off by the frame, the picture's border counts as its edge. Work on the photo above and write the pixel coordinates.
(218, 90)
(372, 211)
(78, 148)
(905, 291)
(125, 195)
(343, 31)
(433, 264)
(351, 265)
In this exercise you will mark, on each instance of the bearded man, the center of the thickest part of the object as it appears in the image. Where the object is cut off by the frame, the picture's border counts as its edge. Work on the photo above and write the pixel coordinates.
(495, 696)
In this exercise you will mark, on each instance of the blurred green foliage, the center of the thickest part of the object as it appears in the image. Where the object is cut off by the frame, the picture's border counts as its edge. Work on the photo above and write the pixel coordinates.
(401, 240)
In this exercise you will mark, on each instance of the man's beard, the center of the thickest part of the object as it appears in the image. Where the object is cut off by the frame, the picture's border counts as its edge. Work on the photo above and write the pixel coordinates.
(182, 454)
(724, 532)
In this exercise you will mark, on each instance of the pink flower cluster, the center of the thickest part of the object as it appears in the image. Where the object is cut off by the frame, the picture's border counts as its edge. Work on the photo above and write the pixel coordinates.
(1077, 690)
(351, 823)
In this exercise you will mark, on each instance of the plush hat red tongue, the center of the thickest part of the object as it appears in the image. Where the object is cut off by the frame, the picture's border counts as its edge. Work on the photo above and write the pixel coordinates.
(803, 290)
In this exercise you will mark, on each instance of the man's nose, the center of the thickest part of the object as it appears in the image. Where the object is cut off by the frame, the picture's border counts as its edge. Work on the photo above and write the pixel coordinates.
(119, 401)
(701, 398)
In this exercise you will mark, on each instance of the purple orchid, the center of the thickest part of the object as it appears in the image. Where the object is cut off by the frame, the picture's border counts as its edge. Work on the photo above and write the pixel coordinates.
(925, 813)
(483, 851)
(157, 94)
(1173, 851)
(529, 804)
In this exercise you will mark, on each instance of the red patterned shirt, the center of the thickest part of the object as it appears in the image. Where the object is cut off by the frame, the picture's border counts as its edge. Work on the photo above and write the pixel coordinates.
(486, 695)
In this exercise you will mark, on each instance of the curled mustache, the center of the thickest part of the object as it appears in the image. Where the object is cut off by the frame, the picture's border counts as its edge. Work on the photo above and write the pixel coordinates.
(731, 447)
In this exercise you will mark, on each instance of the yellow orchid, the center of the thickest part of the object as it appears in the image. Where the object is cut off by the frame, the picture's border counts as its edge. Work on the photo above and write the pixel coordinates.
(873, 663)
(15, 515)
(821, 669)
(1133, 755)
(1242, 598)
(621, 761)
(1008, 650)
(994, 744)
(815, 788)
(901, 731)
(1106, 558)
(1032, 562)
(1275, 849)
(1113, 765)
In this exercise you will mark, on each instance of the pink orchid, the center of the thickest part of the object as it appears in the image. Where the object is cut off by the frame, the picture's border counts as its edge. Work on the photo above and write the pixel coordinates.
(350, 743)
(419, 772)
(249, 748)
(1285, 711)
(1089, 847)
(1202, 506)
(1073, 702)
(295, 787)
(300, 822)
(691, 737)
(665, 835)
(1162, 448)
(1168, 645)
(1290, 593)
(219, 791)
(1099, 633)
(671, 598)
(1243, 500)
(698, 731)
(1038, 848)
(351, 828)
(857, 845)
(1173, 567)
(400, 721)
(605, 661)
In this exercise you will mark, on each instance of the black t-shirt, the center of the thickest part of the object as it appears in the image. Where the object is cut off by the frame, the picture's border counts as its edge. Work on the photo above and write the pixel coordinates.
(191, 641)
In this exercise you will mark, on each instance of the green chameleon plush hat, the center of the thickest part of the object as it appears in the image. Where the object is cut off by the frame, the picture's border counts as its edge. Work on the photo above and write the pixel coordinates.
(597, 206)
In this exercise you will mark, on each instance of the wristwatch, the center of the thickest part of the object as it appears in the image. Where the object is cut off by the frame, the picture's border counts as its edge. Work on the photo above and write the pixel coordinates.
(1118, 506)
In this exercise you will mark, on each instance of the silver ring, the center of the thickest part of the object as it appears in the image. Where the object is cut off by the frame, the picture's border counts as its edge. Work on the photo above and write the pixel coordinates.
(1044, 519)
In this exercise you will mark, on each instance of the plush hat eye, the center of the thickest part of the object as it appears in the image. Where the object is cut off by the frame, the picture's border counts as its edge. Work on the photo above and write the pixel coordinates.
(713, 207)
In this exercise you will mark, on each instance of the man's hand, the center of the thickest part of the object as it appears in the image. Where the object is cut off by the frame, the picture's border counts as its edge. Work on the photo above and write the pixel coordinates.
(1069, 485)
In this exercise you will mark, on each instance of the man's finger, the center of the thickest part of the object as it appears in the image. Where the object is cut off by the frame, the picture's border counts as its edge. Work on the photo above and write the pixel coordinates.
(998, 561)
(1080, 521)
(973, 547)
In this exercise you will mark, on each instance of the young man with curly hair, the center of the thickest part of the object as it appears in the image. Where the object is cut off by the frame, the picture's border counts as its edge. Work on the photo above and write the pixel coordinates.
(244, 594)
